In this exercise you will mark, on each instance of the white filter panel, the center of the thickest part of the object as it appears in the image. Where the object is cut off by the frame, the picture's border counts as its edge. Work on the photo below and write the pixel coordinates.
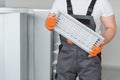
(80, 34)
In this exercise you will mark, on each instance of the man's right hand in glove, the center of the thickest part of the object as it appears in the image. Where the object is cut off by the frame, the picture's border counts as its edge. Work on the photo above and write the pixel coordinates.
(51, 21)
(96, 50)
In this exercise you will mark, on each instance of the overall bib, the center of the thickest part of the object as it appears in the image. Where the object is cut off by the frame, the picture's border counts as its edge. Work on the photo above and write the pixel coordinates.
(72, 60)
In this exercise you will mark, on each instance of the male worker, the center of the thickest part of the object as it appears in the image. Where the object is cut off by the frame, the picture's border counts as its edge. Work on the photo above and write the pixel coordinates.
(72, 60)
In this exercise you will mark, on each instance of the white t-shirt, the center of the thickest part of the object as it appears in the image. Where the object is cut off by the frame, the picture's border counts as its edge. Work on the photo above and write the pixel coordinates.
(80, 7)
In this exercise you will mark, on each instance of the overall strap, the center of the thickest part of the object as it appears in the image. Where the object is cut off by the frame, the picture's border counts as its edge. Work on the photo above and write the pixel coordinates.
(89, 11)
(91, 7)
(69, 7)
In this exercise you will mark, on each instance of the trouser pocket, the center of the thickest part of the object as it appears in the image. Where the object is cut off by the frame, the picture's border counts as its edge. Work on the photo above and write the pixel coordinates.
(60, 47)
(99, 57)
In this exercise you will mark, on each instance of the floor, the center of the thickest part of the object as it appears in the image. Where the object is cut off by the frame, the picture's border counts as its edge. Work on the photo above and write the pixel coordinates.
(110, 73)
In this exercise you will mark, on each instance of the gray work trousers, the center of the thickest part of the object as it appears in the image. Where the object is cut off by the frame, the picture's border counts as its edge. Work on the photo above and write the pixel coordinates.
(73, 61)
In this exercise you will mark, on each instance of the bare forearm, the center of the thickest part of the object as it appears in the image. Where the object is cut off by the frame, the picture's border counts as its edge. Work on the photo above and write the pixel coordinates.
(109, 34)
(110, 28)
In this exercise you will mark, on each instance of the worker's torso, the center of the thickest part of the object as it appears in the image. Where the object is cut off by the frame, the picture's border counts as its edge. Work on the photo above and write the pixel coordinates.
(80, 7)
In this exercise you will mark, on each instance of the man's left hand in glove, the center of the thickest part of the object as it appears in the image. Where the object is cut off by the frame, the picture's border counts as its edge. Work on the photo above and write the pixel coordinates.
(96, 50)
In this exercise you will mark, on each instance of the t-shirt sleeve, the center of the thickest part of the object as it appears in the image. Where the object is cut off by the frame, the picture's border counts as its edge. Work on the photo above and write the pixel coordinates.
(106, 8)
(56, 6)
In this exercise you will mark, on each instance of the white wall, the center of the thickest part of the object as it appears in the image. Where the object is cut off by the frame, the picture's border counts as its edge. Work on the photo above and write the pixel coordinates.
(2, 2)
(42, 47)
(44, 4)
(39, 46)
(1, 50)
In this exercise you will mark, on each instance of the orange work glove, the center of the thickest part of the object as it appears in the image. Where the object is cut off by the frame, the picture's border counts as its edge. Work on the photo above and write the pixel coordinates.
(69, 41)
(96, 50)
(51, 22)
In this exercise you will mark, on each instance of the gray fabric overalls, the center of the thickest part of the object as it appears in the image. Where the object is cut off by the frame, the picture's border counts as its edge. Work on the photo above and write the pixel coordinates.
(72, 60)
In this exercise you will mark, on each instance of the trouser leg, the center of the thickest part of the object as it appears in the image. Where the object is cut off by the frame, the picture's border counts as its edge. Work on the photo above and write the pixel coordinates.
(88, 68)
(73, 61)
(66, 64)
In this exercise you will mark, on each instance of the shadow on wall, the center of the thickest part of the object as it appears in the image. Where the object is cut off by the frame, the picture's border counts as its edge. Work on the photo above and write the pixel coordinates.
(110, 53)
